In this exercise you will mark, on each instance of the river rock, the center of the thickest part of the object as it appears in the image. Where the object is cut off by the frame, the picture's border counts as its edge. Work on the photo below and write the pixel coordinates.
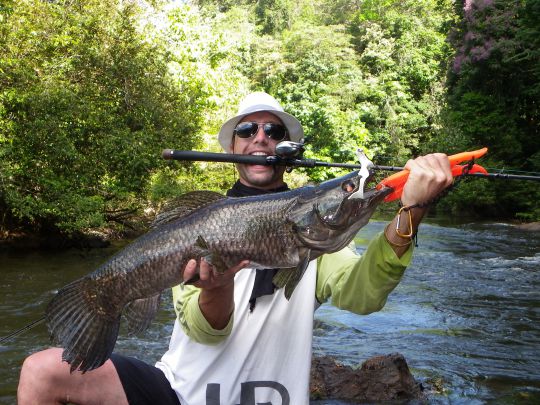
(380, 378)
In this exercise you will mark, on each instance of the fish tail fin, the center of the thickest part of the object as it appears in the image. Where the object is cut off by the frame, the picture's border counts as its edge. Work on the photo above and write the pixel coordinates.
(77, 323)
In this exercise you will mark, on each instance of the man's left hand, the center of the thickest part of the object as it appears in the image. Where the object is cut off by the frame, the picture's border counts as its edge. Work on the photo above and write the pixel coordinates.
(429, 176)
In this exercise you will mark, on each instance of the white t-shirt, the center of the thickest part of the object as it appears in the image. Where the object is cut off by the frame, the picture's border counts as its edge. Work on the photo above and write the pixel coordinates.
(265, 360)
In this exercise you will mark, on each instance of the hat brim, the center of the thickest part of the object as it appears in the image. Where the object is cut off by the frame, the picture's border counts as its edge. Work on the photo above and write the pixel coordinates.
(294, 128)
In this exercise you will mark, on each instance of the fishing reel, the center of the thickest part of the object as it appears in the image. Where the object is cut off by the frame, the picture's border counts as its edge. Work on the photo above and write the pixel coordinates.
(289, 150)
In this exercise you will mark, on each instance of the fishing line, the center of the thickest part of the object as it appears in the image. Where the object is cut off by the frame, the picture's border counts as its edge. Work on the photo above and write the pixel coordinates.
(21, 330)
(511, 171)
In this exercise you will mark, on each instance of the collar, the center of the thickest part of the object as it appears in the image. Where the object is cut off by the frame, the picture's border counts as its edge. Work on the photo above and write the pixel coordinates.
(241, 190)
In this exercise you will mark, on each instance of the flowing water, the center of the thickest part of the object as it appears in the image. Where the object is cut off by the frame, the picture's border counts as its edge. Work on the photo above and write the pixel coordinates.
(466, 315)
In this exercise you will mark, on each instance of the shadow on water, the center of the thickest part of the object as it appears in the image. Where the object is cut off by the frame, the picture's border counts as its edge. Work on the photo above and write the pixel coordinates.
(466, 315)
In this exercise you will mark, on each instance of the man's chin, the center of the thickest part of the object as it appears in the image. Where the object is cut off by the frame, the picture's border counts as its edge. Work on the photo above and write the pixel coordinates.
(265, 177)
(262, 180)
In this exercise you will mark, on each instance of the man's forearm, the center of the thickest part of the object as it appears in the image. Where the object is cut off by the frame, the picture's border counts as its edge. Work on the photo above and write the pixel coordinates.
(217, 305)
(407, 226)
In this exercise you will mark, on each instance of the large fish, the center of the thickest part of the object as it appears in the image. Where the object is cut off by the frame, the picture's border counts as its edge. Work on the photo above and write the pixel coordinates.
(282, 230)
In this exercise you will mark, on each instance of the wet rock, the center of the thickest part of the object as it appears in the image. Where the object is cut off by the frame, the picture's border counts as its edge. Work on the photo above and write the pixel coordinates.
(380, 378)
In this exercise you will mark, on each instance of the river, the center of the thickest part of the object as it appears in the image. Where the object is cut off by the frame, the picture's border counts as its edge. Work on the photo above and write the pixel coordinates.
(466, 315)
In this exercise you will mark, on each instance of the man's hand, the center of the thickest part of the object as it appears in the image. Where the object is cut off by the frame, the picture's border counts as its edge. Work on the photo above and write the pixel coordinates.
(210, 278)
(216, 300)
(429, 176)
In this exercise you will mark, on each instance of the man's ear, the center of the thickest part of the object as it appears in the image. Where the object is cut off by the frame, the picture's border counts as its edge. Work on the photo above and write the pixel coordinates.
(231, 147)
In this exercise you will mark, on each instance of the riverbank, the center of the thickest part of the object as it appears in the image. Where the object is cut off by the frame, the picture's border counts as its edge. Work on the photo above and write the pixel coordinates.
(56, 241)
(531, 226)
(88, 239)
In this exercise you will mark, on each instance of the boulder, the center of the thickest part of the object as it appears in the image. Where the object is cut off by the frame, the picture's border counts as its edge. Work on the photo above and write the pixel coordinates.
(380, 378)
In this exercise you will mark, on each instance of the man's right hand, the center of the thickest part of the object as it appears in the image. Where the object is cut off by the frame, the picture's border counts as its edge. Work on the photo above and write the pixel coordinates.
(216, 300)
(210, 278)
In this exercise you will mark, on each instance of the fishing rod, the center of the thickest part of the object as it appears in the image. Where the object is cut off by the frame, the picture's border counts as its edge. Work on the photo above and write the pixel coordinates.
(21, 330)
(287, 153)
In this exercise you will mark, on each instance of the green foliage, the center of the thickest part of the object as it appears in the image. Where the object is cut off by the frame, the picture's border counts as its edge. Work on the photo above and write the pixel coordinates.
(354, 76)
(493, 98)
(87, 103)
(91, 92)
(402, 49)
(272, 16)
(314, 73)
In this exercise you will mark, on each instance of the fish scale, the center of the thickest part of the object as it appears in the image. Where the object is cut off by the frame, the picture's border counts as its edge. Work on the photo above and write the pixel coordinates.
(283, 230)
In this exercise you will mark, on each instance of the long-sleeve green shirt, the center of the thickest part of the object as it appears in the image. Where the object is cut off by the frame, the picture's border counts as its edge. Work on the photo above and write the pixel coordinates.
(360, 284)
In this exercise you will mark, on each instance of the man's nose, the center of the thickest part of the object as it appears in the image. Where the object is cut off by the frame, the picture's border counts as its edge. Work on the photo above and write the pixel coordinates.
(260, 136)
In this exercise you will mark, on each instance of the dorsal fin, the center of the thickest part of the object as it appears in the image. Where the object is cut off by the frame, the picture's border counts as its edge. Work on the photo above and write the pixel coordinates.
(185, 204)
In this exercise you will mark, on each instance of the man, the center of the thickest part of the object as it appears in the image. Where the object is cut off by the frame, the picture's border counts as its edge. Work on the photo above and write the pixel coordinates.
(237, 340)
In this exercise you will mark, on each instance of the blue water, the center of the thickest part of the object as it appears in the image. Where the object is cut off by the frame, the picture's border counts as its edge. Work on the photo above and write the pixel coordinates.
(466, 315)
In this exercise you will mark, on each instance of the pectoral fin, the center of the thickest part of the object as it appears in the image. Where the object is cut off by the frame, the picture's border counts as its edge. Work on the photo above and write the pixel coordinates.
(290, 277)
(210, 257)
(139, 313)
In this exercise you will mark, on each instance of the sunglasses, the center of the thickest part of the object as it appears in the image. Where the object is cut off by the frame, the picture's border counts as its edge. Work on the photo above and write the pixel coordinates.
(245, 130)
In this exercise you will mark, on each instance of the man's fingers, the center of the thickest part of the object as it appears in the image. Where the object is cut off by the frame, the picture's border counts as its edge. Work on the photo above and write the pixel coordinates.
(206, 276)
(190, 270)
(233, 270)
(434, 167)
(429, 175)
(239, 266)
(206, 271)
(439, 165)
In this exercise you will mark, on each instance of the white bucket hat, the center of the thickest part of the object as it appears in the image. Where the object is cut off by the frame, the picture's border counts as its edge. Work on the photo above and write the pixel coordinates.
(255, 102)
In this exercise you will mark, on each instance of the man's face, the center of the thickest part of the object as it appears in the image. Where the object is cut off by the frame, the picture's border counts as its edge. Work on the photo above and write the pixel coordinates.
(264, 177)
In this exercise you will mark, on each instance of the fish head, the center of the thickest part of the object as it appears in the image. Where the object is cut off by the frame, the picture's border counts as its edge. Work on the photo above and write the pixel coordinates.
(350, 199)
(329, 217)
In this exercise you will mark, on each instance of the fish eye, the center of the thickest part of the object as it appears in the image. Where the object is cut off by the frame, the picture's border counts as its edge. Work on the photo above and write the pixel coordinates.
(348, 186)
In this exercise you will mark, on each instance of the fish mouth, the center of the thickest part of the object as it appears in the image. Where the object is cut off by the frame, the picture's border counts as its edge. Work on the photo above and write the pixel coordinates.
(374, 195)
(369, 202)
(384, 191)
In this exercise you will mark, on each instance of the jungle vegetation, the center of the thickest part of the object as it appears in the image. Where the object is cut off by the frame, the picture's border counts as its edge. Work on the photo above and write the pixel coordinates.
(91, 92)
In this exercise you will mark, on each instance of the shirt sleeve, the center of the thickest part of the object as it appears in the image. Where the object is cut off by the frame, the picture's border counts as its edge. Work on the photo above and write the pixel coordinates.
(361, 284)
(192, 320)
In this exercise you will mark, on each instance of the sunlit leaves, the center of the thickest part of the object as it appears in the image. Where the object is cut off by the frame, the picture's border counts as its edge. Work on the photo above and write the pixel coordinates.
(91, 91)
(87, 104)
